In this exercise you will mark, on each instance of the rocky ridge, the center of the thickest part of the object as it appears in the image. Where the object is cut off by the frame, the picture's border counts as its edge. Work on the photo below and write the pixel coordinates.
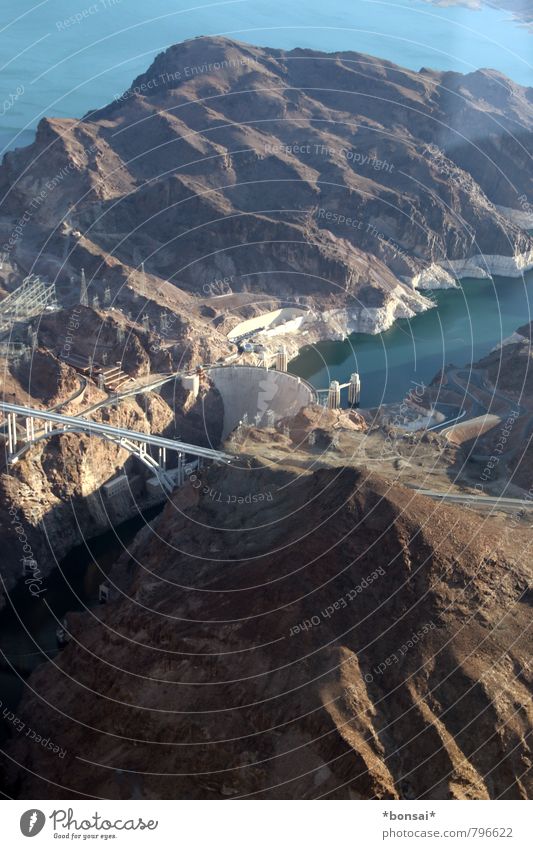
(371, 668)
(55, 492)
(340, 179)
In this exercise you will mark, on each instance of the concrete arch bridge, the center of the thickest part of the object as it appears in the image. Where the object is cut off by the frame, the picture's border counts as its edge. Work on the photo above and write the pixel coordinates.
(22, 430)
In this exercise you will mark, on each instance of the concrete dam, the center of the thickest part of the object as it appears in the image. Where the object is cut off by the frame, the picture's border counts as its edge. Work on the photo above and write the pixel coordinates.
(262, 395)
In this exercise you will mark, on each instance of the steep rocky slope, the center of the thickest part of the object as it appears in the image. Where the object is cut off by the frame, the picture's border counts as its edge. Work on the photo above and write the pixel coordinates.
(335, 636)
(510, 366)
(337, 177)
(510, 369)
(54, 494)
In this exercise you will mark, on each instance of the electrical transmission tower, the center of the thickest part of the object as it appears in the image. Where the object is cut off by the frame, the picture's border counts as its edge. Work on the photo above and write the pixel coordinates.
(29, 300)
(84, 295)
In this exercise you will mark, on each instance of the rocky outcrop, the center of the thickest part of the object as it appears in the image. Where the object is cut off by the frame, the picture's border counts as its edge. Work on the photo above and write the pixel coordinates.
(338, 178)
(348, 649)
(55, 496)
(488, 264)
(522, 217)
(108, 337)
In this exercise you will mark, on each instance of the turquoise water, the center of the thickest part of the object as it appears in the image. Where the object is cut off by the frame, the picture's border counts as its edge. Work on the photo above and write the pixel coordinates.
(466, 324)
(69, 70)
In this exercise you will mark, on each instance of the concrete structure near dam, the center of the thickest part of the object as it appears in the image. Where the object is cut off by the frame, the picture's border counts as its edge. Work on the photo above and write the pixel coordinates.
(258, 394)
(283, 320)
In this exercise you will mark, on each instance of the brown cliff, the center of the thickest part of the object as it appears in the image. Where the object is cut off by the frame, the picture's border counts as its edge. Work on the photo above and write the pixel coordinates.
(343, 174)
(352, 640)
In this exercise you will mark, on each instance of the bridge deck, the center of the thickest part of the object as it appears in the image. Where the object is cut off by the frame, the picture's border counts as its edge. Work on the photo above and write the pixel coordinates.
(88, 426)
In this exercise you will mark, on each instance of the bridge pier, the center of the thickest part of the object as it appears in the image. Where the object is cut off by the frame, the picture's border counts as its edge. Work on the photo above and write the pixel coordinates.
(12, 432)
(30, 429)
(133, 441)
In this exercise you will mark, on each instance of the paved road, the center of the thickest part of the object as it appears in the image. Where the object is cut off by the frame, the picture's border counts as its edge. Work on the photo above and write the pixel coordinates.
(508, 504)
(113, 397)
(82, 385)
(476, 379)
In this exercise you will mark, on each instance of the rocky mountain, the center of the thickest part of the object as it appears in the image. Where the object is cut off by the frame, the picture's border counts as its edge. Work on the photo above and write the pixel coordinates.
(336, 636)
(340, 179)
(510, 369)
(56, 490)
(293, 626)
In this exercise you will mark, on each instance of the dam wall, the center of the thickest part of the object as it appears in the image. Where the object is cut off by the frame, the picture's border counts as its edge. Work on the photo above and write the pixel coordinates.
(253, 391)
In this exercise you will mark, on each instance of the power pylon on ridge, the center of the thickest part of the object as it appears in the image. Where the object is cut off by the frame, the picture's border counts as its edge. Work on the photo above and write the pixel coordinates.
(84, 295)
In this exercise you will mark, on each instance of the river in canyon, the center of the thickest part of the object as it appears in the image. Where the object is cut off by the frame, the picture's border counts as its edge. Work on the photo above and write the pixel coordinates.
(464, 326)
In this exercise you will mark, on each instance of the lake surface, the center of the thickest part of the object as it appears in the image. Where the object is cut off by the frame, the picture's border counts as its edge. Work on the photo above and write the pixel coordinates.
(67, 70)
(466, 324)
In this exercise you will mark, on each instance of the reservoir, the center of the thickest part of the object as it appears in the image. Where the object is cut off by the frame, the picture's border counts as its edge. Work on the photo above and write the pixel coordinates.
(464, 326)
(66, 58)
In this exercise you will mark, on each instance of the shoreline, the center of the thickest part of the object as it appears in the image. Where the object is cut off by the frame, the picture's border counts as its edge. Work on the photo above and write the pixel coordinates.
(406, 360)
(337, 325)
